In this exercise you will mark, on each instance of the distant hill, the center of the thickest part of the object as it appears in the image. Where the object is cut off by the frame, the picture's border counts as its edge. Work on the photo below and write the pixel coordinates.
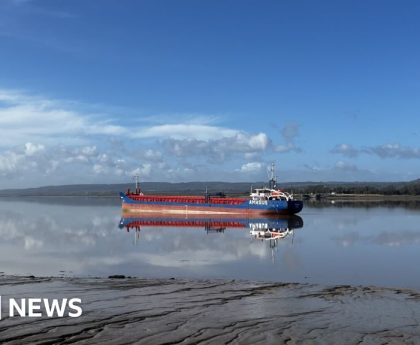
(187, 188)
(229, 188)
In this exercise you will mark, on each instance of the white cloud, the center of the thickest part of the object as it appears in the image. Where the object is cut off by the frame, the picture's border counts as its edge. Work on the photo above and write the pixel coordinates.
(64, 142)
(345, 166)
(9, 162)
(152, 155)
(346, 150)
(36, 119)
(289, 132)
(259, 142)
(99, 168)
(31, 149)
(287, 148)
(313, 167)
(185, 131)
(217, 150)
(20, 158)
(251, 167)
(32, 243)
(143, 170)
(394, 151)
(88, 150)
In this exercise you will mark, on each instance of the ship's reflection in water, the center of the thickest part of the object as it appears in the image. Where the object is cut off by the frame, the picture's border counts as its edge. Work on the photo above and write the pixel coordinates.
(337, 245)
(270, 229)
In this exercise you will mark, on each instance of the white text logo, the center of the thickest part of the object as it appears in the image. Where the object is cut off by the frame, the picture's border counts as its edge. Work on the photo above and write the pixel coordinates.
(43, 307)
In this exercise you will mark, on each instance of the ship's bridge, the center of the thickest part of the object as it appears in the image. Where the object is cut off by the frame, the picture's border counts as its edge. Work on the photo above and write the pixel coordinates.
(270, 194)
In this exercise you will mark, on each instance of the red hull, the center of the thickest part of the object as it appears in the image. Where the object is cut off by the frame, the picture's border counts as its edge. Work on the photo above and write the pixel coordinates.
(135, 209)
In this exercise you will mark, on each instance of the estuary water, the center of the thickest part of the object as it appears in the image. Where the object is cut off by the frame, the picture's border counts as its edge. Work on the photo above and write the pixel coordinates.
(327, 244)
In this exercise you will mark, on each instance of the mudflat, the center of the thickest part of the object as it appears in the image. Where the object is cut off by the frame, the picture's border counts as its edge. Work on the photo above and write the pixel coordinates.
(173, 311)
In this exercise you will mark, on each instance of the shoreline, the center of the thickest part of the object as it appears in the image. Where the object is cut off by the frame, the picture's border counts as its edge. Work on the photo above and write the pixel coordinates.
(327, 197)
(338, 198)
(157, 311)
(372, 197)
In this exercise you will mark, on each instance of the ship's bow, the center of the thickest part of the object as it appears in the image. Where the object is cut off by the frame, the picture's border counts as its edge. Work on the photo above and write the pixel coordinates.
(295, 206)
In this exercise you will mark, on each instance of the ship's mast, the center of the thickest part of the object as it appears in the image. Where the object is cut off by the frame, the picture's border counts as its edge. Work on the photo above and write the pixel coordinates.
(273, 178)
(137, 183)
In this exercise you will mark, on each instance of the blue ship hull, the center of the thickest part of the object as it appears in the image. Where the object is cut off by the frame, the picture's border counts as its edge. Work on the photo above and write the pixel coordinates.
(221, 206)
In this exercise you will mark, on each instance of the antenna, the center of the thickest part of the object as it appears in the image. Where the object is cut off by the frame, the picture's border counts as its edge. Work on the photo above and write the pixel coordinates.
(273, 177)
(207, 197)
(136, 177)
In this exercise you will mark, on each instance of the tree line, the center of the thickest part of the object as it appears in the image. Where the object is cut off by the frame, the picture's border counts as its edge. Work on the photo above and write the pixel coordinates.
(397, 188)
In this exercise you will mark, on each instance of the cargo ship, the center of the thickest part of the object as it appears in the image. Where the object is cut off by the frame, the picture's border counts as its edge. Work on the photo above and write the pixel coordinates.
(263, 201)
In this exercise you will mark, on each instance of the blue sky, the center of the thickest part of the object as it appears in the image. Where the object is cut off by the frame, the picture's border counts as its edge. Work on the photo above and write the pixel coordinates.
(97, 91)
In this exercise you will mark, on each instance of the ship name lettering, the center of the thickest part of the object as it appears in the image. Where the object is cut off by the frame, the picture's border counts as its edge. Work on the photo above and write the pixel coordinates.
(258, 202)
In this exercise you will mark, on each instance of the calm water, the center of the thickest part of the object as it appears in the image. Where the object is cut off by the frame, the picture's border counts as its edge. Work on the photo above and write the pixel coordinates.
(78, 236)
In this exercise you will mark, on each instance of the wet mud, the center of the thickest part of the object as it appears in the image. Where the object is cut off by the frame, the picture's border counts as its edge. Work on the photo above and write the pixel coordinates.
(176, 311)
